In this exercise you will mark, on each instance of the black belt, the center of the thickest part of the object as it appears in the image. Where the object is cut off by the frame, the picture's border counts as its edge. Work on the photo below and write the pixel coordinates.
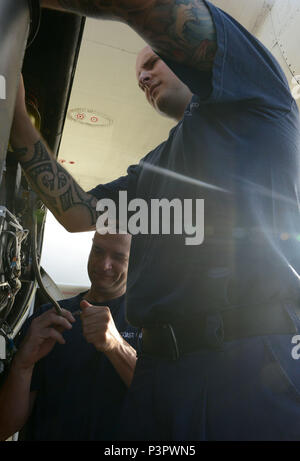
(210, 331)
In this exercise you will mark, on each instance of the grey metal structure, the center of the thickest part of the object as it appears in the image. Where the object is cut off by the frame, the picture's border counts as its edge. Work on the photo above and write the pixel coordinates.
(31, 43)
(14, 30)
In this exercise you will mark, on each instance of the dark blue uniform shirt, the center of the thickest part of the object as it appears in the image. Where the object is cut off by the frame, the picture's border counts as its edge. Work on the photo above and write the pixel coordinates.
(240, 133)
(79, 393)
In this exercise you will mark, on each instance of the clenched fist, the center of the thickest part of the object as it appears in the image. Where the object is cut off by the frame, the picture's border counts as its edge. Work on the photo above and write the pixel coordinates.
(99, 327)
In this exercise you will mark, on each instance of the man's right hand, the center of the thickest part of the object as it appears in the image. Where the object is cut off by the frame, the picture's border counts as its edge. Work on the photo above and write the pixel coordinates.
(44, 332)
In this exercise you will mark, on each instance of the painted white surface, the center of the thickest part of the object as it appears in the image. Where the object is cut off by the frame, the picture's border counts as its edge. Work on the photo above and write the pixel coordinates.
(65, 255)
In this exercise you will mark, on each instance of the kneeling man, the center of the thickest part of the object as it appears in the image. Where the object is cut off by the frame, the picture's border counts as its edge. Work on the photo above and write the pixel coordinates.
(71, 372)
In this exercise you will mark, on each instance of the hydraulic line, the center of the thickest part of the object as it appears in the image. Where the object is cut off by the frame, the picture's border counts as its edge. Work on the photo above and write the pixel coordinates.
(35, 20)
(35, 263)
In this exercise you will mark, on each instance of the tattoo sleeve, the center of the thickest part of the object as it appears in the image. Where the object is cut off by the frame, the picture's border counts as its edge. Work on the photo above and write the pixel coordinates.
(56, 187)
(181, 30)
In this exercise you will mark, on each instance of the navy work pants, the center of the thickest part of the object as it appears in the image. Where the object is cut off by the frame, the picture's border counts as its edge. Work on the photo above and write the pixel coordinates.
(247, 389)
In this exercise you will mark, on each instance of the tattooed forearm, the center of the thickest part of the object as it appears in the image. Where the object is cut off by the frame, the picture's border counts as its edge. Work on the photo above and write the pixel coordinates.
(60, 193)
(181, 30)
(67, 201)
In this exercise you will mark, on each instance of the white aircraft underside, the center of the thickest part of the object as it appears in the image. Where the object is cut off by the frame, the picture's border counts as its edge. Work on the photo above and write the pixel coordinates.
(276, 24)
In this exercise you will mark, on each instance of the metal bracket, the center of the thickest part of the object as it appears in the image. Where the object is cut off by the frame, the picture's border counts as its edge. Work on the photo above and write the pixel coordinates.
(2, 348)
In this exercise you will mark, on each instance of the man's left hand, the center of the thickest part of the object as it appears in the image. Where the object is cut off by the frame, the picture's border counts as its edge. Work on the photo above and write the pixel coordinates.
(99, 327)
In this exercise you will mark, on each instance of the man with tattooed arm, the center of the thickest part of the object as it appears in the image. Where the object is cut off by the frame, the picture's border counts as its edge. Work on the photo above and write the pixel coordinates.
(218, 317)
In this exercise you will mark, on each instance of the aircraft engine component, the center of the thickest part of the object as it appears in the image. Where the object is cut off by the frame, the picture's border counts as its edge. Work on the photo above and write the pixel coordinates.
(12, 235)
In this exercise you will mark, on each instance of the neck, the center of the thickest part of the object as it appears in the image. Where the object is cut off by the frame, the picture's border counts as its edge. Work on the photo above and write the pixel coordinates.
(95, 296)
(179, 114)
